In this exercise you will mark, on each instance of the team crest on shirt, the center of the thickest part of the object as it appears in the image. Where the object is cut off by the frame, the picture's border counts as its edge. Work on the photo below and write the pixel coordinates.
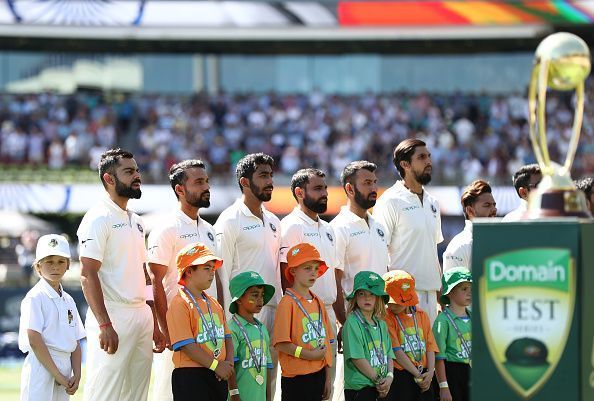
(273, 227)
(330, 237)
(433, 209)
(53, 243)
(140, 228)
(210, 236)
(380, 232)
(70, 316)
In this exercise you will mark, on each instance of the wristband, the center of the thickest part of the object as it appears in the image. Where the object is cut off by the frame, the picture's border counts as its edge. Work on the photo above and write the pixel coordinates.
(148, 293)
(443, 385)
(234, 392)
(105, 325)
(214, 364)
(298, 352)
(390, 374)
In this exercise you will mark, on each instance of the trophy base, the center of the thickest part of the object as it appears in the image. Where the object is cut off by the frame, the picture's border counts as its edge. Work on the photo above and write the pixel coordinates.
(557, 203)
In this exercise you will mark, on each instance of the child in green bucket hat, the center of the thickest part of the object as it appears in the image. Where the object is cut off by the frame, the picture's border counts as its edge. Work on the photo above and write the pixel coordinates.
(251, 340)
(452, 331)
(368, 350)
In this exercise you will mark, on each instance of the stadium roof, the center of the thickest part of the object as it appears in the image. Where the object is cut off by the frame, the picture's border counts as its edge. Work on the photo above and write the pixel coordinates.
(287, 27)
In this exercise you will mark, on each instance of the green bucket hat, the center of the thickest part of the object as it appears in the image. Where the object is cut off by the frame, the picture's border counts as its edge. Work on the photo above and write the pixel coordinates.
(371, 282)
(451, 278)
(240, 283)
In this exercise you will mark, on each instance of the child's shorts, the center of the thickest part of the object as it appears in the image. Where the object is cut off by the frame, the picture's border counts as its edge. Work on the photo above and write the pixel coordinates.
(191, 384)
(37, 384)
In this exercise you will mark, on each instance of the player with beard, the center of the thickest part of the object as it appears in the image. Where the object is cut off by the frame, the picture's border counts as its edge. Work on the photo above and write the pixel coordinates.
(120, 326)
(413, 222)
(477, 201)
(304, 225)
(360, 239)
(190, 185)
(249, 237)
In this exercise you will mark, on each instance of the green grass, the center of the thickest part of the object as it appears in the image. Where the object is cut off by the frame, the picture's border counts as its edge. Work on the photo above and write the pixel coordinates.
(10, 382)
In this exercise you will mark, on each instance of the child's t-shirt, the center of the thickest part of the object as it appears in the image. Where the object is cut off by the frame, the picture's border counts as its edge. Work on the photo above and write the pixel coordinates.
(418, 340)
(448, 341)
(291, 325)
(55, 317)
(360, 342)
(250, 382)
(186, 326)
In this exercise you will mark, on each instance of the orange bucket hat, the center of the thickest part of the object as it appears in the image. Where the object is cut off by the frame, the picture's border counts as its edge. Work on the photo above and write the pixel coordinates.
(300, 254)
(400, 286)
(193, 255)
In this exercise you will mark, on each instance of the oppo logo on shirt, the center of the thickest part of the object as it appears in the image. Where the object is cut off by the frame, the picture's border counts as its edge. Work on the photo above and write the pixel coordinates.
(248, 228)
(356, 233)
(454, 257)
(408, 209)
(311, 234)
(119, 225)
(184, 236)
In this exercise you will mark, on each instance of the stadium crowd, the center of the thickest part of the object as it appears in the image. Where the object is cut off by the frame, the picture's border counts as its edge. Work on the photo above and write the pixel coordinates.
(471, 135)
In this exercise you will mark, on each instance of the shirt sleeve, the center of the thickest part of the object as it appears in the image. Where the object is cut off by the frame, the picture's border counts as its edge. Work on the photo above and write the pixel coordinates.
(394, 334)
(341, 243)
(384, 213)
(438, 233)
(161, 246)
(440, 333)
(92, 237)
(282, 323)
(179, 317)
(291, 236)
(236, 339)
(428, 332)
(269, 364)
(354, 347)
(455, 255)
(31, 315)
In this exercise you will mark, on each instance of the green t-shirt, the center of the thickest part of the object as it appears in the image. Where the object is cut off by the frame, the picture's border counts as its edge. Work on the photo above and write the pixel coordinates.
(245, 369)
(357, 344)
(447, 339)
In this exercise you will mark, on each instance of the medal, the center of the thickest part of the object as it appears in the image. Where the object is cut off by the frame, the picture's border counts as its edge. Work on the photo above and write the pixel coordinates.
(217, 352)
(260, 379)
(320, 342)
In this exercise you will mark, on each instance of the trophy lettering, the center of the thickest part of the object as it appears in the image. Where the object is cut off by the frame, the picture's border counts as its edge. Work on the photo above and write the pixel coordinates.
(561, 62)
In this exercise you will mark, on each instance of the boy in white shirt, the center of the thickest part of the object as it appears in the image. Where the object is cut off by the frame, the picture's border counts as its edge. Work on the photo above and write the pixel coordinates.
(50, 328)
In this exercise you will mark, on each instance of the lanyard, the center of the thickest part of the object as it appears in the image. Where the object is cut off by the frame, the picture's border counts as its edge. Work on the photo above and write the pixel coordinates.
(407, 337)
(317, 327)
(458, 332)
(258, 362)
(211, 330)
(381, 356)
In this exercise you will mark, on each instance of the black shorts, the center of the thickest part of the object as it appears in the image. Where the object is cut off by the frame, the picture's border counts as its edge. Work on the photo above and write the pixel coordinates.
(364, 394)
(458, 375)
(190, 384)
(404, 388)
(303, 388)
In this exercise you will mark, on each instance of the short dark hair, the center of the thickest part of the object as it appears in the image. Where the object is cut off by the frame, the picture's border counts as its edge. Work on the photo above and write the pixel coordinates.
(248, 164)
(301, 178)
(472, 192)
(521, 178)
(351, 169)
(585, 185)
(110, 160)
(404, 151)
(177, 172)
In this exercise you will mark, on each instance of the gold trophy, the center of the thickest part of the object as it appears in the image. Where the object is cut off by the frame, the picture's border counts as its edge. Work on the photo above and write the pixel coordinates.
(561, 62)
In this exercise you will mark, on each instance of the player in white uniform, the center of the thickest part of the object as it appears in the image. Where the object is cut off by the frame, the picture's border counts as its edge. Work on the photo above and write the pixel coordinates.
(189, 181)
(477, 201)
(413, 222)
(249, 236)
(525, 180)
(304, 224)
(120, 325)
(50, 329)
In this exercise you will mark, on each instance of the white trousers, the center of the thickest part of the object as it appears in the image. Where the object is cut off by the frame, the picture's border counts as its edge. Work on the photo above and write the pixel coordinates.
(37, 384)
(428, 302)
(336, 372)
(162, 377)
(125, 375)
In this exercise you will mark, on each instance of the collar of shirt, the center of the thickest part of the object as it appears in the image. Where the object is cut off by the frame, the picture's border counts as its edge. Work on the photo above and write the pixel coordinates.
(245, 323)
(400, 188)
(352, 217)
(187, 219)
(306, 219)
(246, 210)
(49, 290)
(112, 205)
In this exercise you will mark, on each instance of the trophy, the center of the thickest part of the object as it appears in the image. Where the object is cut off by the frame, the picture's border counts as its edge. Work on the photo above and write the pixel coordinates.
(561, 62)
